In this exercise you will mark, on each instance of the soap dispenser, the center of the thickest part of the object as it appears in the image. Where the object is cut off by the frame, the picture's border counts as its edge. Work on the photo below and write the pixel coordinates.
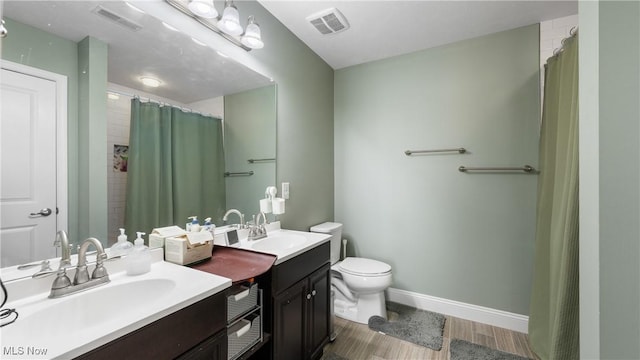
(139, 259)
(194, 226)
(208, 226)
(122, 247)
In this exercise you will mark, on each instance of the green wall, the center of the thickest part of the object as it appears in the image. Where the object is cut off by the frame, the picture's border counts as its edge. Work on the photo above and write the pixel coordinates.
(85, 65)
(92, 139)
(305, 120)
(249, 133)
(464, 237)
(619, 26)
(589, 282)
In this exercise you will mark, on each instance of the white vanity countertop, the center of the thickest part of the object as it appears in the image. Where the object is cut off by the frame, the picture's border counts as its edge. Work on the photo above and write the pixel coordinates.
(312, 240)
(69, 326)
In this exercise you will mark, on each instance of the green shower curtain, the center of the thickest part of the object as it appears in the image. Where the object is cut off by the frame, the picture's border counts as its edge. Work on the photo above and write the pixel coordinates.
(175, 167)
(554, 315)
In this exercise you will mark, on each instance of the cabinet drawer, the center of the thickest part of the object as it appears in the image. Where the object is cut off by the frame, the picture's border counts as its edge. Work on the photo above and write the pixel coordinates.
(245, 333)
(240, 299)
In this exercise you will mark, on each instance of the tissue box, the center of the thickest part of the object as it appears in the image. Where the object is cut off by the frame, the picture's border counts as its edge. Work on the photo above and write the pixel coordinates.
(159, 235)
(190, 248)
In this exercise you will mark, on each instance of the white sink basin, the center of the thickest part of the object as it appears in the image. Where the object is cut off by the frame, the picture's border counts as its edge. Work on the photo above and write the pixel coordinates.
(73, 310)
(69, 326)
(284, 244)
(279, 242)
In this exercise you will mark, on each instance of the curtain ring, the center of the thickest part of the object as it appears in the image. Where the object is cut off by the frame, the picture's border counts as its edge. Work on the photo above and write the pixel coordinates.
(573, 31)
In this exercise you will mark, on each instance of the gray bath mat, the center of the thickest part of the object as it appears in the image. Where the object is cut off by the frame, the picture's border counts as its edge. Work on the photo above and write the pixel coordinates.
(417, 326)
(464, 350)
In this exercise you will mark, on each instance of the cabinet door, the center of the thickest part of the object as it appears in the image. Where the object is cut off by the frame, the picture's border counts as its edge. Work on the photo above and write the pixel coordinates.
(318, 311)
(289, 322)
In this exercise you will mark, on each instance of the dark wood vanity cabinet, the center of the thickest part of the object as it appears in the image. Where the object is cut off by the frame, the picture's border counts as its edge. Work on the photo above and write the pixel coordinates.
(319, 311)
(301, 314)
(195, 332)
(214, 348)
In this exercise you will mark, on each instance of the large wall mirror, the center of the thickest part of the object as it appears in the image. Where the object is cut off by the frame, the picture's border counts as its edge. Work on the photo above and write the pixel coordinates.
(193, 77)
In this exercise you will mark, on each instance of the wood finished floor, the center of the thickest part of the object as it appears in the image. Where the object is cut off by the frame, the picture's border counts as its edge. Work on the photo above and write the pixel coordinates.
(357, 342)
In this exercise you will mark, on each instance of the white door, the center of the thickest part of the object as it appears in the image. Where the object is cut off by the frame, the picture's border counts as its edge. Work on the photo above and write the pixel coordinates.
(28, 160)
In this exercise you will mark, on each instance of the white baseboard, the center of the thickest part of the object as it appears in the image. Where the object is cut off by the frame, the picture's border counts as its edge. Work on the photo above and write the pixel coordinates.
(485, 315)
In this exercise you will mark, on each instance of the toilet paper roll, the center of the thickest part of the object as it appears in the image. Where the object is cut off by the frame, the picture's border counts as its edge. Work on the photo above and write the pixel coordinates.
(265, 206)
(278, 206)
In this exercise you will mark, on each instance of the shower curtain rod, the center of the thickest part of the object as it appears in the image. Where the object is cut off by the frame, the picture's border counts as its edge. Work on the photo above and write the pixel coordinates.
(159, 102)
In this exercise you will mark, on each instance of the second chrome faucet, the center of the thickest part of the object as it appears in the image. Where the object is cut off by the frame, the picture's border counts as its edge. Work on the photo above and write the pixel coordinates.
(257, 230)
(62, 285)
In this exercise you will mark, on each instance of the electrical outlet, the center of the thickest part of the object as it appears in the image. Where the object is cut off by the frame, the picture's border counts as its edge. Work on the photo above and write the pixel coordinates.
(285, 190)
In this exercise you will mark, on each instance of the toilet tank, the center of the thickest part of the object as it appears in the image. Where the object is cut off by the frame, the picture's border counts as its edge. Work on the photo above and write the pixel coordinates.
(335, 230)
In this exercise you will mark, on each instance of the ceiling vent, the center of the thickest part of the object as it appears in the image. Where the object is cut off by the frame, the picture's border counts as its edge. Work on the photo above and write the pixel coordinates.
(119, 19)
(329, 21)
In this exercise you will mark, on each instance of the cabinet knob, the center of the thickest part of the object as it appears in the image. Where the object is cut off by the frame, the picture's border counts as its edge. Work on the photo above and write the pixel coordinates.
(308, 296)
(313, 293)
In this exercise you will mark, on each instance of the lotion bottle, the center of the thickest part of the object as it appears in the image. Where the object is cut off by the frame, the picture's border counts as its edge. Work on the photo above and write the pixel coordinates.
(139, 260)
(122, 247)
(194, 226)
(208, 226)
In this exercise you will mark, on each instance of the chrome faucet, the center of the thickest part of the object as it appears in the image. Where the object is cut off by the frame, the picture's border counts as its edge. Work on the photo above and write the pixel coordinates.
(62, 285)
(63, 241)
(257, 230)
(82, 274)
(234, 211)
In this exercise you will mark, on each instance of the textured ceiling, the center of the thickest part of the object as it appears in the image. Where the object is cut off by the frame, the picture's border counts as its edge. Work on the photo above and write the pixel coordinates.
(381, 29)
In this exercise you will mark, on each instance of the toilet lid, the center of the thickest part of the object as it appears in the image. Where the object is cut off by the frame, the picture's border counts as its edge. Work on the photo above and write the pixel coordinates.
(362, 266)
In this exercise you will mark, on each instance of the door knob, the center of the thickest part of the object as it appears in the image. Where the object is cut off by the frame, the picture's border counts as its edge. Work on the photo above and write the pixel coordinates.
(313, 293)
(308, 296)
(42, 212)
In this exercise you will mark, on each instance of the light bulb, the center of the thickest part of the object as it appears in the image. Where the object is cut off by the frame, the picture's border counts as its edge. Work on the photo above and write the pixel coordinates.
(230, 22)
(251, 37)
(203, 8)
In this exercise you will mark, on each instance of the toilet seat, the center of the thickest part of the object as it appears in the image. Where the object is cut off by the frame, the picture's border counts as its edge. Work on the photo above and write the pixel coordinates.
(364, 267)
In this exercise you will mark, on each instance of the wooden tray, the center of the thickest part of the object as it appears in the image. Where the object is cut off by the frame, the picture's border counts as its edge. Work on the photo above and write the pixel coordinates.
(236, 264)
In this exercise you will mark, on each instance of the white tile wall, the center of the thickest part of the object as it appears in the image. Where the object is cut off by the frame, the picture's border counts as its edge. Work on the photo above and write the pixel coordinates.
(118, 118)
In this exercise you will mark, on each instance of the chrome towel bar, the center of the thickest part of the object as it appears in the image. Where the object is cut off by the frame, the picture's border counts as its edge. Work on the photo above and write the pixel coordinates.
(251, 161)
(527, 169)
(458, 150)
(243, 173)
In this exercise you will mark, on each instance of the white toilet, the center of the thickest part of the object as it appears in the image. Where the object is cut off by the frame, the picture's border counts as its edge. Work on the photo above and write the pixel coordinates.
(358, 283)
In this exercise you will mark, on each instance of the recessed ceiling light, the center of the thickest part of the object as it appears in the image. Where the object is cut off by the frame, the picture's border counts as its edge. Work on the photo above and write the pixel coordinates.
(198, 42)
(169, 26)
(151, 82)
